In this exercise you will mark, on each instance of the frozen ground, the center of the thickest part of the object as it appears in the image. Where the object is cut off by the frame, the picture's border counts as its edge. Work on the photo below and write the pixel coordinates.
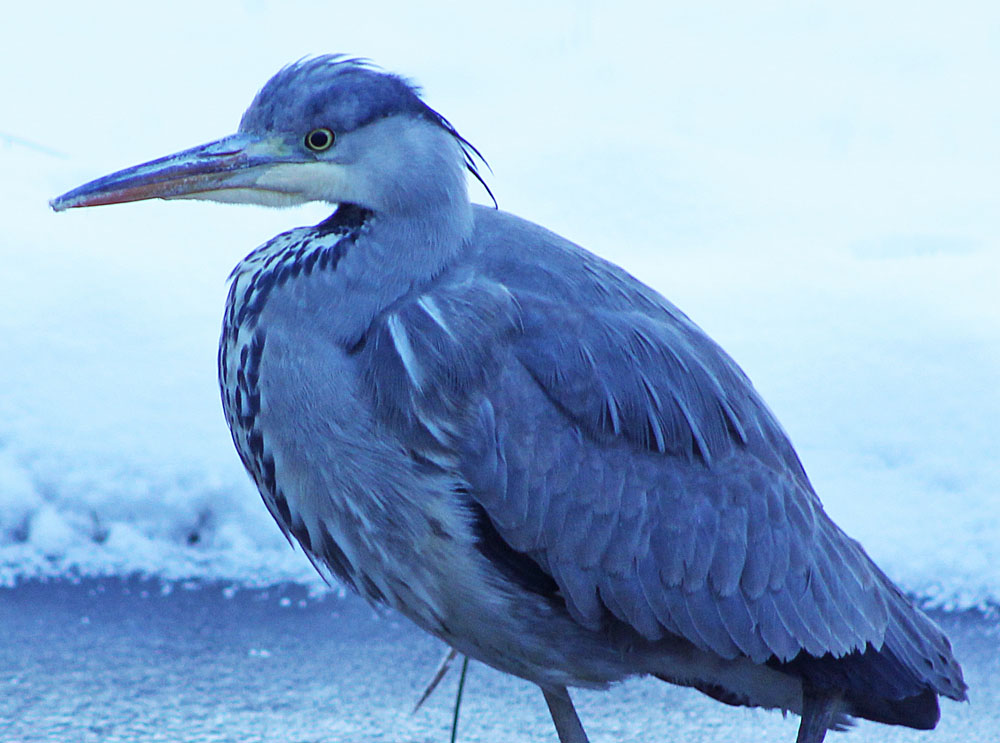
(108, 662)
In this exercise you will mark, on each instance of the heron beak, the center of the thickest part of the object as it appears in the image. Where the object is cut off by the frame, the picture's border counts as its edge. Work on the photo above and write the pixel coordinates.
(229, 169)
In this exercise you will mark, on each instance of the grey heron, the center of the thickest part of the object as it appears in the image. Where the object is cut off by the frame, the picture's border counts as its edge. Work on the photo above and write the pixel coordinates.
(516, 444)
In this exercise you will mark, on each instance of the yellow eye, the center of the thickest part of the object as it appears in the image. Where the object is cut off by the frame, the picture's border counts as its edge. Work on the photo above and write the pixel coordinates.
(319, 139)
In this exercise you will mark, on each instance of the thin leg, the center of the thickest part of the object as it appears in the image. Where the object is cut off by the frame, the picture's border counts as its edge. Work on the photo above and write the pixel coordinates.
(564, 716)
(819, 708)
(458, 698)
(436, 679)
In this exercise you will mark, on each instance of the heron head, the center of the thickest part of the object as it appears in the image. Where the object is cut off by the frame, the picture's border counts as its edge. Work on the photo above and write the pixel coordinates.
(325, 128)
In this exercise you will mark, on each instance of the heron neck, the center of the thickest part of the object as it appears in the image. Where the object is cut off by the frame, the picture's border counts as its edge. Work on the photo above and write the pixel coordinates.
(391, 257)
(416, 248)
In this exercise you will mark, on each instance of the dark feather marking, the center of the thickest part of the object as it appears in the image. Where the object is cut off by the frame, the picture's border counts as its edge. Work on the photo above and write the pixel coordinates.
(516, 566)
(281, 503)
(252, 365)
(310, 262)
(299, 531)
(335, 559)
(347, 221)
(876, 685)
(359, 345)
(256, 442)
(267, 471)
(372, 590)
(438, 530)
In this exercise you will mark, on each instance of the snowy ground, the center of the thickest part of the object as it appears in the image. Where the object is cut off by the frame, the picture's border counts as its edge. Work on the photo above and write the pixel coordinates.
(816, 187)
(107, 662)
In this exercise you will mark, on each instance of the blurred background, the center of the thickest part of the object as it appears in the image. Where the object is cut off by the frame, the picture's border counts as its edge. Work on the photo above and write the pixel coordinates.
(815, 185)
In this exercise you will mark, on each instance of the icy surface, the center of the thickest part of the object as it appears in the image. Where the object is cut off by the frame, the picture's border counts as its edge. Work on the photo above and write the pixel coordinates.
(104, 662)
(817, 188)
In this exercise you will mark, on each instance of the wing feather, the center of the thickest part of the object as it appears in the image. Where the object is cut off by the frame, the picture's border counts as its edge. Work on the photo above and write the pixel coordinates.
(730, 554)
(781, 638)
(706, 614)
(735, 613)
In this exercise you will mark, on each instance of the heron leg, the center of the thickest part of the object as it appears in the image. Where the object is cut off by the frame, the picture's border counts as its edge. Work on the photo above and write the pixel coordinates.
(442, 669)
(819, 709)
(564, 716)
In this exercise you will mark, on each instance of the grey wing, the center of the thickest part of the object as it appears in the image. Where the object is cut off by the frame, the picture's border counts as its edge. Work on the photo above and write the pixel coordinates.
(632, 460)
(634, 463)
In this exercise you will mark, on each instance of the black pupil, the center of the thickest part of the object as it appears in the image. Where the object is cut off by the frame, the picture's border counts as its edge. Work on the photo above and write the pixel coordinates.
(319, 139)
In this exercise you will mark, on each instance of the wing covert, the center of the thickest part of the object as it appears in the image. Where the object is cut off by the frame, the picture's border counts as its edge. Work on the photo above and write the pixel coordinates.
(632, 460)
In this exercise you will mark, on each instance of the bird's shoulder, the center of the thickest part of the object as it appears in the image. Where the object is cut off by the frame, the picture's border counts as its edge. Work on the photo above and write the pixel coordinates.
(618, 358)
(613, 356)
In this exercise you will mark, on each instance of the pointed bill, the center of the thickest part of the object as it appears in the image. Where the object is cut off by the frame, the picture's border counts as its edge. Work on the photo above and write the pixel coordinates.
(228, 169)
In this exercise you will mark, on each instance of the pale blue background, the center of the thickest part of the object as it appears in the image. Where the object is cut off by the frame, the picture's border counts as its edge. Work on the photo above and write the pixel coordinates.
(815, 184)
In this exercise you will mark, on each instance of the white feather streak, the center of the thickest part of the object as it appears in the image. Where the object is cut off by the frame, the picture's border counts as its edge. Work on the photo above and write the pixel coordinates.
(401, 341)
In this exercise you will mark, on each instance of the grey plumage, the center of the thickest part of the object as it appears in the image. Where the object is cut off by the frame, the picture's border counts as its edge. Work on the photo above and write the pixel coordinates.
(515, 443)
